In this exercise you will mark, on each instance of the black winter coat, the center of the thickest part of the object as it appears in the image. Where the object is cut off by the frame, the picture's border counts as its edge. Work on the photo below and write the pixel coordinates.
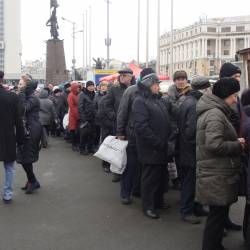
(246, 134)
(125, 121)
(187, 124)
(113, 99)
(59, 105)
(11, 125)
(29, 152)
(152, 128)
(86, 106)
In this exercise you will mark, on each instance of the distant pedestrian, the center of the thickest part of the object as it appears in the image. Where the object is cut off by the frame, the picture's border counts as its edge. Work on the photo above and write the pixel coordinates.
(86, 108)
(11, 134)
(74, 118)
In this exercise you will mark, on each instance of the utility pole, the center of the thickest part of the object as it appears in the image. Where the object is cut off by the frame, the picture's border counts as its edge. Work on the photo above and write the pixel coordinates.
(74, 54)
(83, 41)
(158, 37)
(108, 40)
(147, 34)
(90, 36)
(138, 30)
(86, 37)
(172, 40)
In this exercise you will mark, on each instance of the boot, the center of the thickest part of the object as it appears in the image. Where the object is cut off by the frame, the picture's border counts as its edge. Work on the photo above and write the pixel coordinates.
(25, 187)
(32, 187)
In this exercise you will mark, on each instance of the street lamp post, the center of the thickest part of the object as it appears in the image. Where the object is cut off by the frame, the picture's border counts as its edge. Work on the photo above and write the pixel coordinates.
(73, 36)
(138, 32)
(147, 34)
(172, 40)
(108, 40)
(158, 37)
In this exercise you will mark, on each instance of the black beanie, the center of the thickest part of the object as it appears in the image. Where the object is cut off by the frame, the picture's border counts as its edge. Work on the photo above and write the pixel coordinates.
(228, 70)
(90, 83)
(225, 87)
(145, 72)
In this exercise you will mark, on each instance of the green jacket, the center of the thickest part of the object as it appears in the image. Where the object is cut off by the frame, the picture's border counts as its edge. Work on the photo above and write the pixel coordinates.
(218, 153)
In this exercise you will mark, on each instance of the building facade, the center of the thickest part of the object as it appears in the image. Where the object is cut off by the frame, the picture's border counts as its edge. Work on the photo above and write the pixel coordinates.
(10, 38)
(35, 68)
(203, 47)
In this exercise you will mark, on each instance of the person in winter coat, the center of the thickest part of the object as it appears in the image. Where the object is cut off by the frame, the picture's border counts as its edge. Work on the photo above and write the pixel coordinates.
(86, 108)
(218, 158)
(58, 101)
(130, 180)
(245, 101)
(113, 99)
(187, 122)
(12, 134)
(47, 115)
(100, 118)
(232, 71)
(74, 118)
(175, 97)
(152, 129)
(28, 153)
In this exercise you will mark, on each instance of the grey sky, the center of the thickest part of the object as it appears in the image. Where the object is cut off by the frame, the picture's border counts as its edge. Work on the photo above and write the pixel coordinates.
(123, 28)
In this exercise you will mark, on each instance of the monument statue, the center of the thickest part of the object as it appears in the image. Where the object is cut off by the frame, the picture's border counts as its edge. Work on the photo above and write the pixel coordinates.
(56, 71)
(52, 22)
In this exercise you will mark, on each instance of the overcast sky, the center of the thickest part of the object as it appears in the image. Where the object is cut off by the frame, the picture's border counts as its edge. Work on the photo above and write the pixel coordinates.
(123, 24)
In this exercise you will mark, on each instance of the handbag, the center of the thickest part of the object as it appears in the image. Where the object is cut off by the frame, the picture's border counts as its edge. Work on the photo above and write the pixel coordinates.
(85, 128)
(25, 126)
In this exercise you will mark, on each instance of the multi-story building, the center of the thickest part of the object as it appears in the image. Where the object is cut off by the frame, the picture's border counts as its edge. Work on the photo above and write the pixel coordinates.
(203, 47)
(35, 68)
(10, 38)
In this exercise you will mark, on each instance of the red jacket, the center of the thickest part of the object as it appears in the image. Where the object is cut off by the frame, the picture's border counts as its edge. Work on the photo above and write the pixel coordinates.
(73, 99)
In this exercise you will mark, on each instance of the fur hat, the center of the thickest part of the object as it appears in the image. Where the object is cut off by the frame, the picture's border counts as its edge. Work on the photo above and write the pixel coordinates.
(180, 74)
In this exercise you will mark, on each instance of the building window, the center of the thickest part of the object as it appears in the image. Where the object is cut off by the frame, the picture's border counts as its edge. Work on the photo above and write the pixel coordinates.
(211, 29)
(225, 29)
(226, 52)
(209, 52)
(186, 33)
(226, 43)
(208, 43)
(240, 28)
(212, 63)
(195, 31)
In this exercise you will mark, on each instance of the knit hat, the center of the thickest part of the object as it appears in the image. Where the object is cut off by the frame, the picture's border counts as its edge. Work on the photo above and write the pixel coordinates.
(126, 72)
(148, 77)
(200, 82)
(225, 87)
(67, 85)
(89, 83)
(180, 74)
(228, 70)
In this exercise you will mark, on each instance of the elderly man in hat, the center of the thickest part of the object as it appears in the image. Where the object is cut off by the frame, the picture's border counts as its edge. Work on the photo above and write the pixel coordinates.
(113, 99)
(187, 147)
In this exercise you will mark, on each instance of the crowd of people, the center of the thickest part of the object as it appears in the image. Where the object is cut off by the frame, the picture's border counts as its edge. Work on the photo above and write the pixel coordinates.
(202, 129)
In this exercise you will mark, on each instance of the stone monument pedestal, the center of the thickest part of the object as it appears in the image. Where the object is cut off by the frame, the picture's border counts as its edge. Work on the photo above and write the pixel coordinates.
(56, 71)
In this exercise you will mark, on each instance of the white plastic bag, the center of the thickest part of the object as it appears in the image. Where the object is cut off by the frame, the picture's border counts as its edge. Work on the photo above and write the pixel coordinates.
(66, 121)
(172, 171)
(113, 151)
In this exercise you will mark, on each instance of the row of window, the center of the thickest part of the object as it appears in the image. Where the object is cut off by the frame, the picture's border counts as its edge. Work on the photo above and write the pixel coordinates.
(209, 30)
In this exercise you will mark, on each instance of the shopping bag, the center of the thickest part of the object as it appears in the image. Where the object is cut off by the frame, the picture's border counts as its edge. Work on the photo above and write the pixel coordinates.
(172, 171)
(113, 151)
(66, 121)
